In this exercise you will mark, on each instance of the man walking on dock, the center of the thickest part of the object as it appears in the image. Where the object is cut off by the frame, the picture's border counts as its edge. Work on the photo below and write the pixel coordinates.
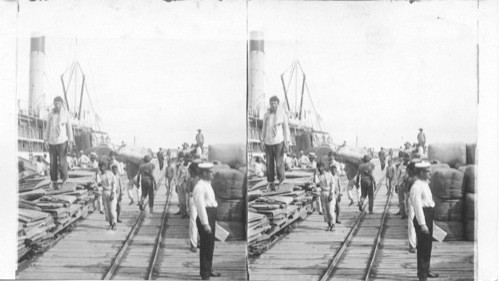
(160, 157)
(206, 205)
(381, 157)
(200, 140)
(107, 181)
(423, 205)
(58, 140)
(132, 171)
(367, 183)
(421, 139)
(275, 138)
(147, 180)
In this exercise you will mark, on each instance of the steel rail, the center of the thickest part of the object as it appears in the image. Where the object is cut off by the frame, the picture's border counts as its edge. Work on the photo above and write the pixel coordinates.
(118, 258)
(340, 253)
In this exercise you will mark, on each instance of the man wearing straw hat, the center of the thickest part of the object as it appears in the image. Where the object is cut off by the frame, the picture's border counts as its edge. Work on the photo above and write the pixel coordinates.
(423, 205)
(206, 205)
(275, 139)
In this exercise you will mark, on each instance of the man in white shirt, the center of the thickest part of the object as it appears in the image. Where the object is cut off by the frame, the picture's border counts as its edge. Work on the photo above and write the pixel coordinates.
(275, 138)
(423, 205)
(58, 140)
(303, 160)
(206, 205)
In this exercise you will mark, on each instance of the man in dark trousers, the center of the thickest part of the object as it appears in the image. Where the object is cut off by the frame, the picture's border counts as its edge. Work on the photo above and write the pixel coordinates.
(421, 139)
(381, 157)
(423, 205)
(147, 181)
(160, 157)
(366, 180)
(200, 140)
(206, 205)
(58, 140)
(275, 139)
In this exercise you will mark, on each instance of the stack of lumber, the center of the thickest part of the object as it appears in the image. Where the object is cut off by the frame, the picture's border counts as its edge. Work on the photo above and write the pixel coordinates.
(258, 225)
(272, 211)
(33, 228)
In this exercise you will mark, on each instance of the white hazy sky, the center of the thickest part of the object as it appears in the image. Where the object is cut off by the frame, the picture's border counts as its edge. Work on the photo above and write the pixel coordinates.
(158, 70)
(381, 69)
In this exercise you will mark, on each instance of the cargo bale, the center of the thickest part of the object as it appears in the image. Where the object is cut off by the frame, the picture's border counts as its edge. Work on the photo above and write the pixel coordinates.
(470, 179)
(230, 210)
(448, 209)
(229, 184)
(233, 155)
(454, 229)
(449, 153)
(434, 167)
(470, 233)
(133, 154)
(446, 183)
(470, 203)
(349, 154)
(470, 153)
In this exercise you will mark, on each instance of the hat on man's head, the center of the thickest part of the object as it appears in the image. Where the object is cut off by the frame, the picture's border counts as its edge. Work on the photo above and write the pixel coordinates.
(147, 158)
(58, 99)
(205, 166)
(312, 155)
(199, 130)
(423, 165)
(81, 151)
(420, 129)
(93, 153)
(367, 158)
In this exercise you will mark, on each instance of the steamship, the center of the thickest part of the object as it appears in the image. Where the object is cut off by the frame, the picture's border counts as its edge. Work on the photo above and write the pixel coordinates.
(304, 122)
(32, 118)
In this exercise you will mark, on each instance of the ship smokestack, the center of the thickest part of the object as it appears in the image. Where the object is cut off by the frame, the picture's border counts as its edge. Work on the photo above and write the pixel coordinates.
(37, 71)
(256, 74)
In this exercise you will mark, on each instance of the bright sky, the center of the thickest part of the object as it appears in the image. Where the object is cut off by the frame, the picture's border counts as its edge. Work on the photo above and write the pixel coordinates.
(381, 69)
(155, 70)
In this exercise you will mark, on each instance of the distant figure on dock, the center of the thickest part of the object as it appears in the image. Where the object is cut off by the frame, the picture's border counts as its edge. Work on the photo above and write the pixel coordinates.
(258, 167)
(303, 160)
(312, 160)
(113, 161)
(366, 181)
(132, 171)
(119, 190)
(206, 205)
(94, 164)
(390, 176)
(106, 180)
(147, 180)
(170, 174)
(275, 138)
(193, 214)
(421, 139)
(338, 192)
(160, 157)
(82, 160)
(381, 157)
(423, 204)
(200, 140)
(181, 181)
(400, 177)
(40, 166)
(58, 140)
(328, 185)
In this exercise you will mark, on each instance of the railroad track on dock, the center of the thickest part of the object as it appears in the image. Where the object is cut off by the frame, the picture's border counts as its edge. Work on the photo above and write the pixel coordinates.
(126, 248)
(347, 243)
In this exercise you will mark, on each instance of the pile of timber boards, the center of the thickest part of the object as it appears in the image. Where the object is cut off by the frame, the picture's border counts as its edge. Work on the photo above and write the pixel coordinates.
(44, 211)
(269, 212)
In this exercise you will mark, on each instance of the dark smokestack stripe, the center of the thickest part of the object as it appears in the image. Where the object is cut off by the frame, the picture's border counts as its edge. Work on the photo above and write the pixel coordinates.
(38, 44)
(257, 45)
